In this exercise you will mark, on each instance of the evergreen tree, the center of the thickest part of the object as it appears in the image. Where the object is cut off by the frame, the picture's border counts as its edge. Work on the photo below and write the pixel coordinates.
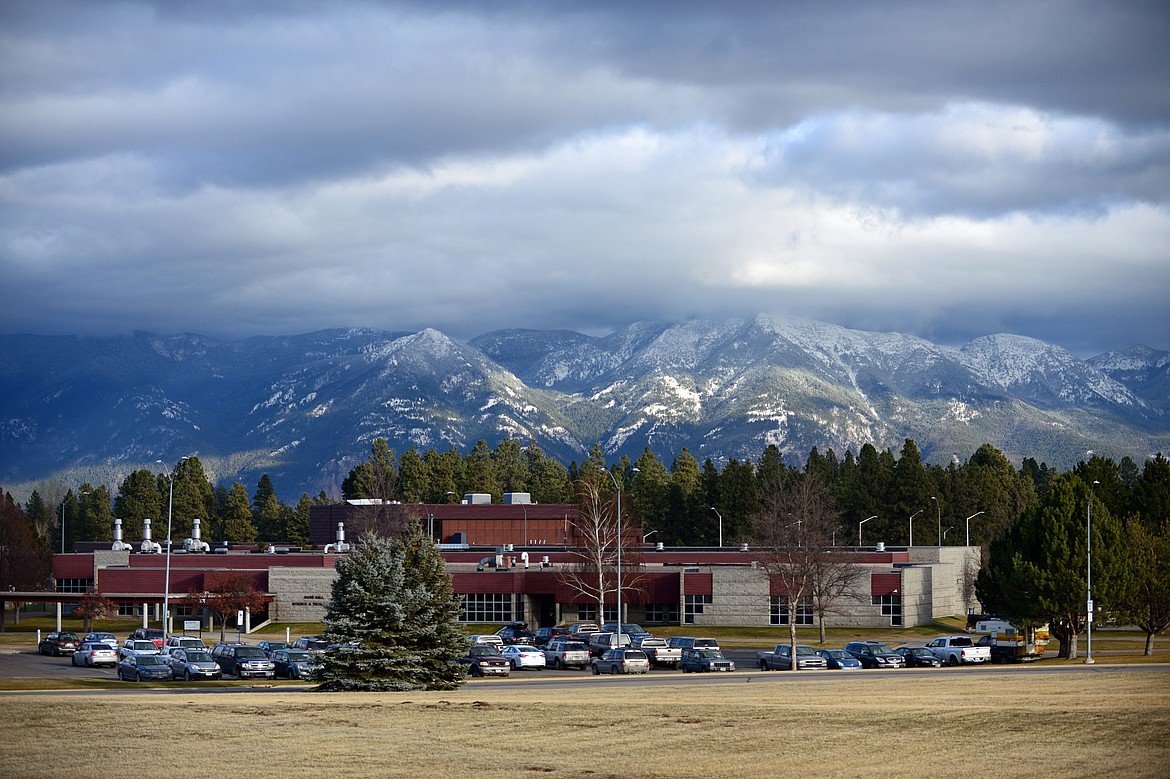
(267, 512)
(95, 519)
(298, 525)
(39, 515)
(481, 471)
(648, 493)
(1036, 573)
(194, 497)
(508, 462)
(1151, 494)
(739, 499)
(376, 478)
(138, 498)
(394, 617)
(413, 476)
(1144, 598)
(446, 475)
(237, 518)
(548, 480)
(688, 511)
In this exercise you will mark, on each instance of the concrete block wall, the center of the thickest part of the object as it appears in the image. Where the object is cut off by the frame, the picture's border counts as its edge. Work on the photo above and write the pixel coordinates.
(739, 596)
(301, 593)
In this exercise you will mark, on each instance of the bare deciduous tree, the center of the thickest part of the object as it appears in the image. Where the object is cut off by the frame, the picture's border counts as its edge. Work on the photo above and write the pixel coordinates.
(794, 531)
(593, 541)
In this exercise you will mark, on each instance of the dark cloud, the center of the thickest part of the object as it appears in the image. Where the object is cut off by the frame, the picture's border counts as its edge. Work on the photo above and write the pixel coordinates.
(941, 168)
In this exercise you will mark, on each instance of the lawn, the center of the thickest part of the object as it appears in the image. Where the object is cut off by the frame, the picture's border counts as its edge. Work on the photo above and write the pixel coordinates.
(1081, 722)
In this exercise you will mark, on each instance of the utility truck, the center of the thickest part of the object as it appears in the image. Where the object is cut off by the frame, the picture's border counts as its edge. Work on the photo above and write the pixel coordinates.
(1009, 644)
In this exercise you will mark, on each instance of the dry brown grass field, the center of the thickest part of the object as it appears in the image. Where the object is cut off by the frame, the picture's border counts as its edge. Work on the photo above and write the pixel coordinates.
(1089, 722)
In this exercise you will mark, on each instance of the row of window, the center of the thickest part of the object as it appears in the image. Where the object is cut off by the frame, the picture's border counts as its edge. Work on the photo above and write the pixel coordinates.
(504, 607)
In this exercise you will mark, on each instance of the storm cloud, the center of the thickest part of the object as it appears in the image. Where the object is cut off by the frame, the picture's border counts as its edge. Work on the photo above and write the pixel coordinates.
(943, 169)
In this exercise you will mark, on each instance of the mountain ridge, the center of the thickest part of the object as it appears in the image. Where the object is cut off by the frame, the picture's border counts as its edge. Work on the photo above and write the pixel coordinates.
(304, 408)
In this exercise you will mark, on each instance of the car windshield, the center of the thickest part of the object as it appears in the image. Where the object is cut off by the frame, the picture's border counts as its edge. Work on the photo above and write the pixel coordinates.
(836, 654)
(804, 650)
(67, 637)
(881, 649)
(921, 651)
(151, 660)
(961, 641)
(634, 654)
(274, 645)
(198, 657)
(299, 657)
(574, 646)
(143, 646)
(153, 633)
(250, 651)
(710, 654)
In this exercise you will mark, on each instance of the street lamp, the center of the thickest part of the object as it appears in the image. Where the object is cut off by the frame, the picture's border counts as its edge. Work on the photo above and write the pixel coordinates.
(1089, 575)
(720, 526)
(859, 524)
(977, 513)
(618, 487)
(938, 506)
(912, 516)
(167, 577)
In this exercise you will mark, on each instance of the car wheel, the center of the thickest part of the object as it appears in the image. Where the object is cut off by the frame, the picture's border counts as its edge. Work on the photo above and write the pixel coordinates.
(186, 677)
(763, 665)
(596, 670)
(74, 660)
(953, 661)
(557, 663)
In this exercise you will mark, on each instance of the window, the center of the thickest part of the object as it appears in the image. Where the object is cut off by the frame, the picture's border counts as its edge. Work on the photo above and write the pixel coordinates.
(129, 610)
(586, 613)
(778, 614)
(185, 611)
(486, 607)
(74, 585)
(891, 607)
(662, 613)
(693, 605)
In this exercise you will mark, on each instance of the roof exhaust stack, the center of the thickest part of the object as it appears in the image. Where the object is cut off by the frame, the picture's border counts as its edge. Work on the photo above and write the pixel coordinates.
(340, 547)
(148, 546)
(119, 544)
(194, 543)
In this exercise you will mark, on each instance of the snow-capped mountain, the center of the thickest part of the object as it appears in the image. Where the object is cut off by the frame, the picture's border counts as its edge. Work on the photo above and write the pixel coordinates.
(305, 408)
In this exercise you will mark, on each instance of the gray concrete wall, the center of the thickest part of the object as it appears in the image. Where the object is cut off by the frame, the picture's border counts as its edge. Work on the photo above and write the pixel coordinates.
(301, 593)
(739, 596)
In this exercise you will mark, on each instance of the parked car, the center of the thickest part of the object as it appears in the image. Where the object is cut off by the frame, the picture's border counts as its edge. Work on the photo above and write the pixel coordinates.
(703, 659)
(490, 639)
(516, 633)
(184, 642)
(580, 631)
(600, 643)
(193, 663)
(295, 664)
(874, 654)
(105, 638)
(485, 660)
(686, 642)
(149, 634)
(243, 661)
(133, 647)
(635, 631)
(565, 653)
(621, 661)
(918, 657)
(57, 644)
(268, 647)
(523, 656)
(95, 653)
(310, 644)
(780, 659)
(839, 660)
(139, 667)
(545, 635)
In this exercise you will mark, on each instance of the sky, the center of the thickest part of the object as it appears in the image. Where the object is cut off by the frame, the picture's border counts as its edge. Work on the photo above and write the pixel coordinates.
(943, 169)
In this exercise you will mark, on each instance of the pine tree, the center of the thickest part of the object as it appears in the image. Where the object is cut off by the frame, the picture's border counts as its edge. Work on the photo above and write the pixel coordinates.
(237, 516)
(138, 499)
(394, 619)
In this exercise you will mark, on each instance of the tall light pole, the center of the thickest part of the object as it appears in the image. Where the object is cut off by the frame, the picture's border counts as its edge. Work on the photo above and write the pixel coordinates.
(1089, 576)
(618, 487)
(977, 513)
(912, 516)
(167, 577)
(720, 526)
(939, 507)
(859, 524)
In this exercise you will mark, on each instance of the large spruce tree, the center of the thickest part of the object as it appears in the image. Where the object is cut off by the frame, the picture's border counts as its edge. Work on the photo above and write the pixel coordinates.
(393, 618)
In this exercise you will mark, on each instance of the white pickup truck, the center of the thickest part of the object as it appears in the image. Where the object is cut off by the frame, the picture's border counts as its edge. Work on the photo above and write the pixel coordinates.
(661, 654)
(959, 650)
